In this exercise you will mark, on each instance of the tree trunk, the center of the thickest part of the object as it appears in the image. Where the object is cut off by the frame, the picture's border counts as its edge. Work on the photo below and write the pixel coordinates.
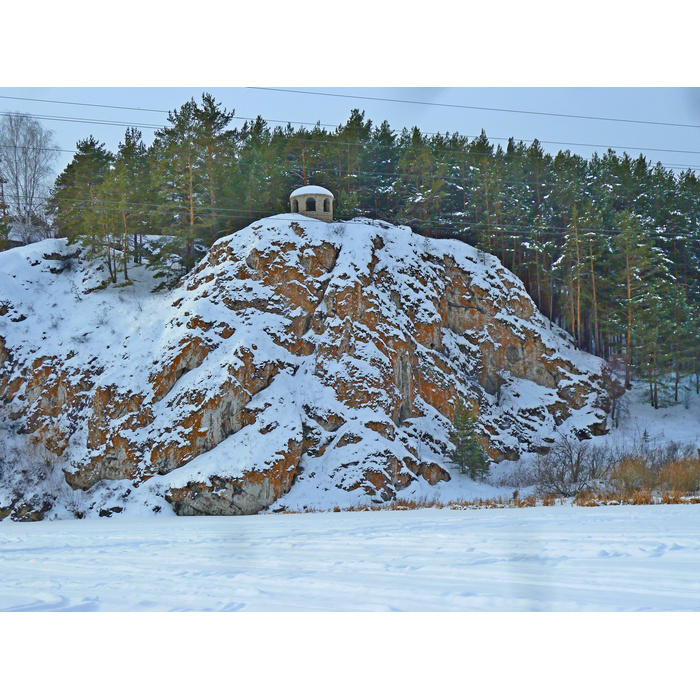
(126, 246)
(578, 288)
(596, 333)
(628, 348)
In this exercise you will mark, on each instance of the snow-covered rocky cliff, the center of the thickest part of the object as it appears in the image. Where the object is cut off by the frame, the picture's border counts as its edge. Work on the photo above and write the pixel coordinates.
(300, 363)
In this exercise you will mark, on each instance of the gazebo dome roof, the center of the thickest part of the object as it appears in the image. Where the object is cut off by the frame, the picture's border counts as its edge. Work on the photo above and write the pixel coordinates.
(311, 189)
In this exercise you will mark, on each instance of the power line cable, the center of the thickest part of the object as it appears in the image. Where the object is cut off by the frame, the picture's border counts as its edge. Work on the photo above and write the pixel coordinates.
(148, 109)
(82, 120)
(402, 148)
(487, 109)
(384, 99)
(286, 121)
(83, 104)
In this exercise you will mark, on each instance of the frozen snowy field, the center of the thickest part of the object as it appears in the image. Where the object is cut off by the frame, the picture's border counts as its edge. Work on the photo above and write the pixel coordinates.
(625, 558)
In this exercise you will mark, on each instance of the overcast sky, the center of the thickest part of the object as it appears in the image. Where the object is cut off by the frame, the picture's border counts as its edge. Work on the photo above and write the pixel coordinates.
(673, 138)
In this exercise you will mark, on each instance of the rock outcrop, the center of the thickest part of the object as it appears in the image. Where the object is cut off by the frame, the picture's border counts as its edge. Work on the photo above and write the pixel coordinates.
(324, 358)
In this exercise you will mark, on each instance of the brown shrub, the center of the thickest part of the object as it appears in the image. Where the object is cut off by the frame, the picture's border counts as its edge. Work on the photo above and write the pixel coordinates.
(672, 497)
(682, 475)
(587, 498)
(632, 474)
(642, 497)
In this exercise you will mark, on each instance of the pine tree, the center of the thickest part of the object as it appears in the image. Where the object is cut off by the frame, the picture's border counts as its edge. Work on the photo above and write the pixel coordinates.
(255, 177)
(483, 196)
(308, 157)
(126, 189)
(687, 201)
(381, 162)
(350, 142)
(515, 211)
(595, 249)
(458, 182)
(4, 231)
(639, 265)
(422, 180)
(74, 195)
(574, 275)
(468, 454)
(101, 219)
(216, 144)
(181, 183)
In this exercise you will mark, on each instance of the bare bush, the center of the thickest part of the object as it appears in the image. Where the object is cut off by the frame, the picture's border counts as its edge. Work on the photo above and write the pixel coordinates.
(661, 455)
(569, 468)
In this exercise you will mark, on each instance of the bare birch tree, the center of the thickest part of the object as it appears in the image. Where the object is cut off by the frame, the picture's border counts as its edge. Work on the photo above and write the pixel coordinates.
(27, 155)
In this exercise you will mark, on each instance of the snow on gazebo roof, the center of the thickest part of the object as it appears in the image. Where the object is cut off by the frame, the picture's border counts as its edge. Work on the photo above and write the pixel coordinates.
(311, 189)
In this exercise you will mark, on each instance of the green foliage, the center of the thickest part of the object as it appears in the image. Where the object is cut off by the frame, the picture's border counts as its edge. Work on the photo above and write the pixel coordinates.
(609, 247)
(422, 178)
(74, 195)
(127, 190)
(468, 454)
(180, 182)
(4, 231)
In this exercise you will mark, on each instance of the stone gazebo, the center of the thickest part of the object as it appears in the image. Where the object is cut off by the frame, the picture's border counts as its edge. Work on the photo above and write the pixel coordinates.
(313, 201)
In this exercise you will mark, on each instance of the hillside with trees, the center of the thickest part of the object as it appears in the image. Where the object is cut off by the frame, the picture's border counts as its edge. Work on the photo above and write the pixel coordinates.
(608, 247)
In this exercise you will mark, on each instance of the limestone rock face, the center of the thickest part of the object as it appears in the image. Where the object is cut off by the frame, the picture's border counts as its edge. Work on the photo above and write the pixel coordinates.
(299, 363)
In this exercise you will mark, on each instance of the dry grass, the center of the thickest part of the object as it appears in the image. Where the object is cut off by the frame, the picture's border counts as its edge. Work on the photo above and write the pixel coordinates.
(643, 497)
(632, 474)
(682, 475)
(633, 480)
(527, 502)
(673, 497)
(637, 482)
(586, 499)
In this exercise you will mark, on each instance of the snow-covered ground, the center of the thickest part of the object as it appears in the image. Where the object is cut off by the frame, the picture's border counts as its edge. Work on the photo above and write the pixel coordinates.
(562, 558)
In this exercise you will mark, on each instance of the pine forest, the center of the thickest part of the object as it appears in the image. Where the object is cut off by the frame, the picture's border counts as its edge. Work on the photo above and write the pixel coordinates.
(607, 247)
